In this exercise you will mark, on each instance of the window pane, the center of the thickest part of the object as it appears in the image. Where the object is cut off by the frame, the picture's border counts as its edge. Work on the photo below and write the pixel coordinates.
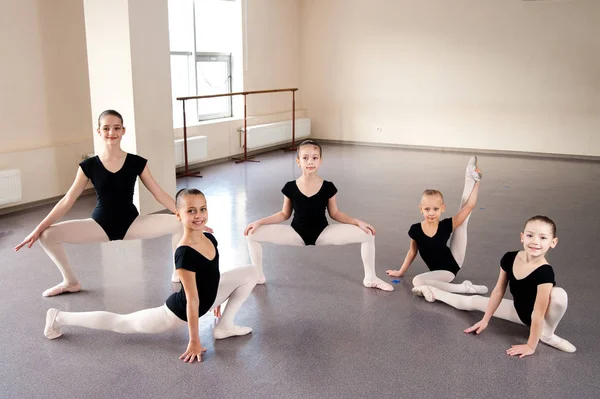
(213, 78)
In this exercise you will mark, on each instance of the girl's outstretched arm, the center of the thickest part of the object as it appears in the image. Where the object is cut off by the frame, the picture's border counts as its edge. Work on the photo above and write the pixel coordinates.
(59, 209)
(281, 216)
(341, 217)
(156, 190)
(495, 299)
(460, 217)
(194, 349)
(410, 257)
(542, 300)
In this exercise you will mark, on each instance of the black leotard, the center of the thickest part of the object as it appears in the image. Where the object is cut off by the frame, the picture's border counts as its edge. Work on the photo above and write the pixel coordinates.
(115, 210)
(207, 279)
(524, 291)
(309, 212)
(433, 250)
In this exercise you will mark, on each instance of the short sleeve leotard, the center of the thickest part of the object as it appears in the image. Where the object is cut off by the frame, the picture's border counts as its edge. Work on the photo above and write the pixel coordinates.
(524, 291)
(115, 211)
(207, 279)
(433, 250)
(309, 212)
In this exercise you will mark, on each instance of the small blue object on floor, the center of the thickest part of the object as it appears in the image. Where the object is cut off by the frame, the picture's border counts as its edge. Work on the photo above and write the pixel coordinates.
(396, 281)
(481, 209)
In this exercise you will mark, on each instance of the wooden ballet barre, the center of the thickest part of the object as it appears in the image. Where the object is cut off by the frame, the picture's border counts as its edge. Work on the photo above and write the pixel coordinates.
(245, 158)
(239, 93)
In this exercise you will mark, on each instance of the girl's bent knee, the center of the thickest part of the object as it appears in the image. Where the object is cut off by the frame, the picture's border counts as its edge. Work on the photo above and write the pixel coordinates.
(558, 296)
(417, 281)
(48, 235)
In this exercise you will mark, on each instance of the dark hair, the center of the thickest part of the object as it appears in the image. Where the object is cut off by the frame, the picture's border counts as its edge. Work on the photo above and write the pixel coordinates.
(309, 142)
(544, 219)
(184, 192)
(432, 192)
(110, 112)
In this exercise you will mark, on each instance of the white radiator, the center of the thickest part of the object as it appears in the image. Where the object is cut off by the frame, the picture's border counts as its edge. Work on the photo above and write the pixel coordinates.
(197, 150)
(10, 186)
(275, 133)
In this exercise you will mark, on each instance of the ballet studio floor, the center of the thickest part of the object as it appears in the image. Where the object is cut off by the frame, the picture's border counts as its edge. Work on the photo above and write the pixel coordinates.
(318, 333)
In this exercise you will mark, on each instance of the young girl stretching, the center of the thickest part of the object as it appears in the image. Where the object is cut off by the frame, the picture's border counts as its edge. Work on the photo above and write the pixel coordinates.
(203, 288)
(537, 302)
(429, 238)
(309, 196)
(113, 173)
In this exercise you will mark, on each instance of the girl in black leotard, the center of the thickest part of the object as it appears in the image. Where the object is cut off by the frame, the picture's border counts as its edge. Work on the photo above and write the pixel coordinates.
(203, 288)
(308, 197)
(430, 237)
(113, 173)
(537, 302)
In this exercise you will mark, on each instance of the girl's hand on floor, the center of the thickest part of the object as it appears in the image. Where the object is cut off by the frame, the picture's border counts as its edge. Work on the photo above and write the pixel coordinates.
(394, 273)
(520, 350)
(477, 328)
(194, 351)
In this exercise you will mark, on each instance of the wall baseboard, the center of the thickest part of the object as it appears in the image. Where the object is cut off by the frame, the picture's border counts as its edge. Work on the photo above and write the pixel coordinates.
(506, 153)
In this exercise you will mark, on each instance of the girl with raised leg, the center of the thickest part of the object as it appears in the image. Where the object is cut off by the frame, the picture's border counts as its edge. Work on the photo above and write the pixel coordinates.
(429, 238)
(309, 196)
(113, 173)
(203, 288)
(537, 302)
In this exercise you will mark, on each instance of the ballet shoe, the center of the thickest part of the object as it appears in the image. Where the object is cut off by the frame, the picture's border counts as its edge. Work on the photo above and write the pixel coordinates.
(425, 291)
(233, 331)
(378, 283)
(62, 289)
(559, 343)
(471, 288)
(50, 331)
(472, 169)
(261, 280)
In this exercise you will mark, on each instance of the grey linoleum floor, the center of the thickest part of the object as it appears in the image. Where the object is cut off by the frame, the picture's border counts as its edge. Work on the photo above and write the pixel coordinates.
(317, 332)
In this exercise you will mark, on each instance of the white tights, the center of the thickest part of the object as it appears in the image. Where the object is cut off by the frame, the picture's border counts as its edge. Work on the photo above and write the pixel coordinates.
(86, 231)
(556, 310)
(442, 279)
(335, 234)
(234, 285)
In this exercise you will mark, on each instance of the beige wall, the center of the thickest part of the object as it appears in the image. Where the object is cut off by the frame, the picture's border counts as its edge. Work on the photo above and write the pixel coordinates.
(502, 75)
(44, 101)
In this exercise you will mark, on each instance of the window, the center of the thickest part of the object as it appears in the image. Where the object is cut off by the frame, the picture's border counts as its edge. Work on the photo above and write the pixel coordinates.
(206, 56)
(214, 77)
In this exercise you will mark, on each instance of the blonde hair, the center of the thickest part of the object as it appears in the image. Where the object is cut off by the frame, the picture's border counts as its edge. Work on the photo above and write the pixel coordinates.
(309, 142)
(430, 192)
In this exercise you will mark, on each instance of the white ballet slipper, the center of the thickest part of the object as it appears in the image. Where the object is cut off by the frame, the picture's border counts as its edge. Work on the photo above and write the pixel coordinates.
(50, 331)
